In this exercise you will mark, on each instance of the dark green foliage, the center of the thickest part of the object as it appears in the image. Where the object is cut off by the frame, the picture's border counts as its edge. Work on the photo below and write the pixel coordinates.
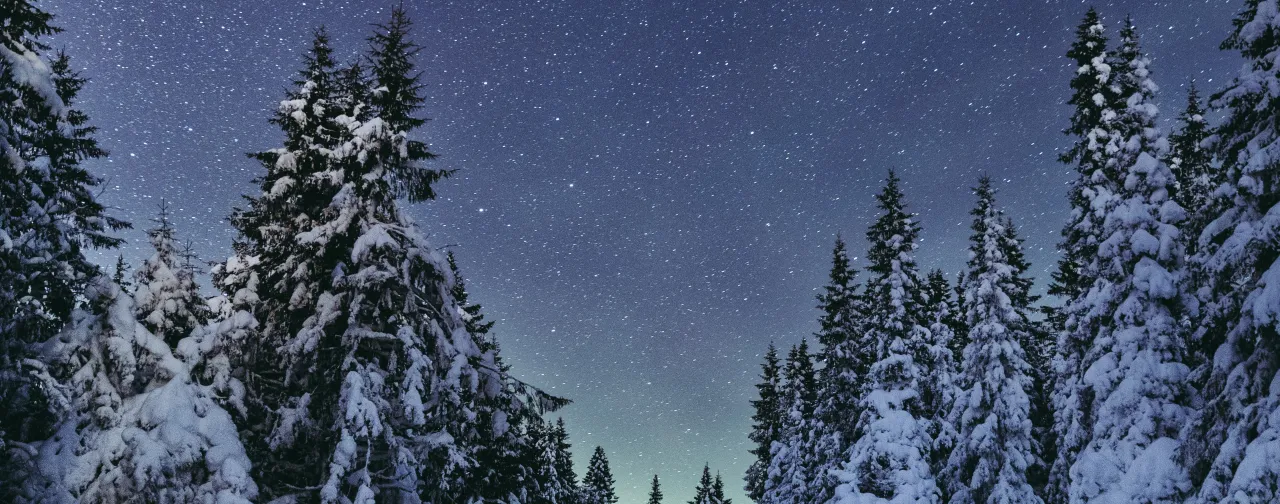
(51, 214)
(655, 492)
(597, 483)
(397, 97)
(767, 423)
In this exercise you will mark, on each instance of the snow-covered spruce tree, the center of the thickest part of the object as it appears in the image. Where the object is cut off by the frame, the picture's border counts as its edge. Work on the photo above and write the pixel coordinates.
(597, 482)
(767, 423)
(890, 459)
(717, 492)
(1093, 99)
(789, 468)
(946, 311)
(1038, 341)
(167, 300)
(363, 359)
(563, 459)
(655, 491)
(845, 356)
(1133, 377)
(501, 470)
(548, 485)
(1191, 162)
(992, 409)
(274, 278)
(52, 213)
(939, 313)
(137, 427)
(1231, 444)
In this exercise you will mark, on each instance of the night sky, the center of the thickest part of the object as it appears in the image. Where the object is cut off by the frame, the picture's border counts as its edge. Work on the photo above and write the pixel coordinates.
(647, 191)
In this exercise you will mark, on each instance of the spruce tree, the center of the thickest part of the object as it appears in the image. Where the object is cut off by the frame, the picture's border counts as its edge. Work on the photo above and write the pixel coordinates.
(939, 392)
(1191, 162)
(992, 409)
(845, 357)
(1093, 99)
(167, 298)
(717, 492)
(597, 482)
(891, 457)
(789, 474)
(942, 297)
(702, 494)
(1132, 379)
(655, 492)
(51, 214)
(121, 273)
(563, 457)
(1230, 443)
(551, 483)
(767, 423)
(362, 347)
(137, 427)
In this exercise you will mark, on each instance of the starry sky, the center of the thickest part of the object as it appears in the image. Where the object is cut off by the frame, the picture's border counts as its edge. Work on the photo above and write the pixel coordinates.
(648, 191)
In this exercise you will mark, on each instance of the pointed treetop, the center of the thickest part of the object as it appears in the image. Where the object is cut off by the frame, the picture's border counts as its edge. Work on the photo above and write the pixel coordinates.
(655, 492)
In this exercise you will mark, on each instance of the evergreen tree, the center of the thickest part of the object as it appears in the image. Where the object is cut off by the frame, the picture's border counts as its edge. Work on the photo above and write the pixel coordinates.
(939, 391)
(121, 274)
(597, 482)
(1132, 377)
(51, 214)
(845, 357)
(563, 458)
(655, 492)
(1192, 165)
(789, 470)
(1093, 99)
(137, 428)
(890, 460)
(552, 483)
(167, 298)
(705, 492)
(1230, 443)
(362, 346)
(470, 312)
(717, 492)
(767, 425)
(941, 296)
(992, 409)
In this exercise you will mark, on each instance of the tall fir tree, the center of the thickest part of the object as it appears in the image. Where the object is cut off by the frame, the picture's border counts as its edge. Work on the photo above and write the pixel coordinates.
(137, 427)
(1231, 441)
(167, 298)
(946, 311)
(703, 493)
(767, 423)
(1132, 379)
(845, 357)
(597, 482)
(655, 492)
(1191, 162)
(1093, 98)
(940, 314)
(563, 457)
(992, 410)
(717, 492)
(891, 458)
(362, 346)
(51, 214)
(789, 476)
